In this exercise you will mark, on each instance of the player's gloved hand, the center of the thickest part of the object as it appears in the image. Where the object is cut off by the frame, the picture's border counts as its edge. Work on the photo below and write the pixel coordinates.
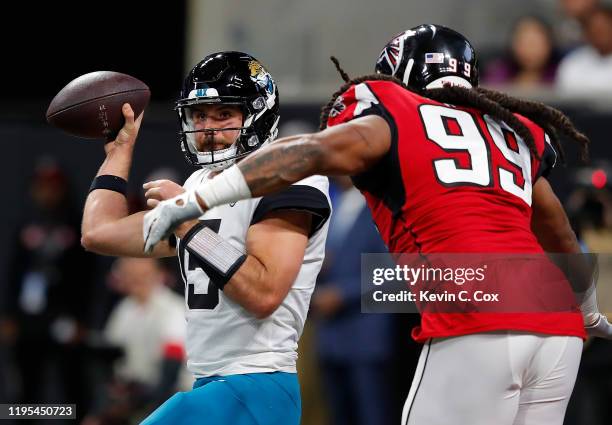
(597, 325)
(161, 220)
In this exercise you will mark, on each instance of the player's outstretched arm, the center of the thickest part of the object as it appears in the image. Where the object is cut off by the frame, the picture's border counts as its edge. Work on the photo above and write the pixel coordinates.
(106, 227)
(345, 149)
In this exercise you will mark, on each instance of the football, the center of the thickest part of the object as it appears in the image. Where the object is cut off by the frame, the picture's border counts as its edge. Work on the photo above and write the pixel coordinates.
(90, 105)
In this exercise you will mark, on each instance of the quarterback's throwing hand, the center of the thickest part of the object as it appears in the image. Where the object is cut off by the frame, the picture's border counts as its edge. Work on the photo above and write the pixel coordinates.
(161, 220)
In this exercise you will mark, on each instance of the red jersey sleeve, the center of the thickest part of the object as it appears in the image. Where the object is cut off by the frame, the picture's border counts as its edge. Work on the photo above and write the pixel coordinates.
(358, 101)
(384, 179)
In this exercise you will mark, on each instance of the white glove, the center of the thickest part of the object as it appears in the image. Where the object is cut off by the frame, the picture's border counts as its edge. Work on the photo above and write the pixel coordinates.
(595, 323)
(599, 326)
(159, 223)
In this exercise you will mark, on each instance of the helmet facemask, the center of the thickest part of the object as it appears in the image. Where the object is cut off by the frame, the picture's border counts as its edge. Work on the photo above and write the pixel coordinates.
(208, 154)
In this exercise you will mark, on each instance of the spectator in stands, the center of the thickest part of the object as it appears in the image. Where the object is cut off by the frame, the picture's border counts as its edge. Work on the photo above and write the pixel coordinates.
(532, 57)
(588, 70)
(579, 9)
(149, 326)
(568, 28)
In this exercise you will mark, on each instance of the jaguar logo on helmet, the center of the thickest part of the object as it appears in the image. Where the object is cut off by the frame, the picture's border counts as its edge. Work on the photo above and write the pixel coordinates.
(255, 68)
(261, 76)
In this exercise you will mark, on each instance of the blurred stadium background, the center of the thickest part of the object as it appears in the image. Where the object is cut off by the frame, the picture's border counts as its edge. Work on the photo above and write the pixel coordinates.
(562, 55)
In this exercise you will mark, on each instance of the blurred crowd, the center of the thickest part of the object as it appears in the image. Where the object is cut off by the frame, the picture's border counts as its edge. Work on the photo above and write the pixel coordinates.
(108, 334)
(572, 57)
(104, 334)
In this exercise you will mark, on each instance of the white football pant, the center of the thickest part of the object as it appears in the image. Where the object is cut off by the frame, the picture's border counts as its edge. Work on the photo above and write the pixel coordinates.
(499, 378)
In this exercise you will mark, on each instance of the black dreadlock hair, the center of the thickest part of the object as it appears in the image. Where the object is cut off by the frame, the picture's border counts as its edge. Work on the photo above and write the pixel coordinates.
(498, 105)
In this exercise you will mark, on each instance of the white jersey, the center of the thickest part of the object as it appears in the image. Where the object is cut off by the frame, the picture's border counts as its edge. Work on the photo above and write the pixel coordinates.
(222, 337)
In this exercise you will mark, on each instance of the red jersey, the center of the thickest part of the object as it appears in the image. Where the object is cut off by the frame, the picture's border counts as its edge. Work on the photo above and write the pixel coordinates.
(455, 180)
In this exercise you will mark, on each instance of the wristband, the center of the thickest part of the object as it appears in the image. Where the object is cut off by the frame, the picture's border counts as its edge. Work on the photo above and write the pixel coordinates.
(219, 259)
(109, 182)
(225, 188)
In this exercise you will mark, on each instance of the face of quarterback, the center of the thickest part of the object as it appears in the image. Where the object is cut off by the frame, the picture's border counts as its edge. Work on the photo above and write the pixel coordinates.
(217, 117)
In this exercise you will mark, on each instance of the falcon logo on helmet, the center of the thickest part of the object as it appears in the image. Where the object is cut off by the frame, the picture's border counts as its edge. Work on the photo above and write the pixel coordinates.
(236, 79)
(392, 53)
